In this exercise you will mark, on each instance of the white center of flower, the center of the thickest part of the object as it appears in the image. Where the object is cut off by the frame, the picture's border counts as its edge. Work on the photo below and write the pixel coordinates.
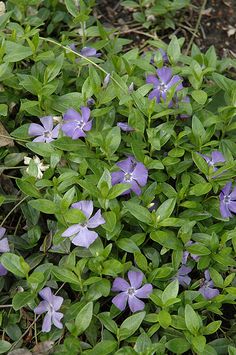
(131, 291)
(128, 177)
(47, 134)
(227, 199)
(162, 87)
(80, 124)
(84, 225)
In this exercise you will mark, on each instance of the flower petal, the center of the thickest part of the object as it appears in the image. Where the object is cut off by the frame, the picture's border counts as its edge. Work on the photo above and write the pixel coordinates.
(42, 307)
(40, 139)
(85, 113)
(56, 319)
(184, 280)
(144, 292)
(164, 74)
(135, 278)
(135, 188)
(126, 165)
(224, 210)
(47, 123)
(2, 229)
(47, 323)
(46, 294)
(85, 238)
(88, 126)
(155, 93)
(232, 206)
(69, 128)
(117, 177)
(176, 79)
(57, 302)
(120, 300)
(125, 127)
(140, 174)
(55, 131)
(208, 292)
(217, 157)
(88, 52)
(96, 220)
(233, 194)
(152, 79)
(120, 284)
(72, 115)
(227, 188)
(85, 206)
(3, 271)
(75, 228)
(135, 304)
(35, 130)
(78, 132)
(4, 245)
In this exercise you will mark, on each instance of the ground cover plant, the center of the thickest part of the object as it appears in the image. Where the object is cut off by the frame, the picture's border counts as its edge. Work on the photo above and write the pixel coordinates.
(118, 194)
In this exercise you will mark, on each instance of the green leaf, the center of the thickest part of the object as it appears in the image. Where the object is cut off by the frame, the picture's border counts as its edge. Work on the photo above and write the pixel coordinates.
(16, 52)
(112, 141)
(105, 347)
(21, 299)
(212, 327)
(200, 163)
(171, 291)
(131, 324)
(65, 275)
(178, 345)
(83, 319)
(167, 239)
(15, 264)
(108, 323)
(199, 343)
(141, 213)
(71, 7)
(4, 346)
(198, 249)
(74, 215)
(127, 245)
(43, 205)
(164, 318)
(200, 189)
(192, 320)
(173, 50)
(117, 190)
(28, 188)
(166, 209)
(140, 260)
(53, 69)
(43, 149)
(200, 96)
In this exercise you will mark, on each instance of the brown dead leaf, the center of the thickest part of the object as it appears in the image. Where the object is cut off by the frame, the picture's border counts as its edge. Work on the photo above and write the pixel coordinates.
(43, 348)
(5, 138)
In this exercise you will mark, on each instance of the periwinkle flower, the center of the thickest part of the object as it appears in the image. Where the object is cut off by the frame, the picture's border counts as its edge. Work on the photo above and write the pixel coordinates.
(182, 275)
(163, 54)
(89, 52)
(90, 101)
(228, 201)
(50, 304)
(81, 233)
(163, 83)
(206, 288)
(39, 164)
(214, 158)
(186, 253)
(4, 247)
(131, 292)
(45, 133)
(106, 80)
(125, 127)
(132, 172)
(76, 124)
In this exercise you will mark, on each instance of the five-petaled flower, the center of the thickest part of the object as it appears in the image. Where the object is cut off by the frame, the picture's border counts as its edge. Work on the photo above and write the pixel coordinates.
(81, 233)
(39, 165)
(132, 172)
(182, 275)
(45, 133)
(206, 288)
(228, 201)
(4, 247)
(215, 158)
(163, 83)
(131, 292)
(50, 304)
(76, 124)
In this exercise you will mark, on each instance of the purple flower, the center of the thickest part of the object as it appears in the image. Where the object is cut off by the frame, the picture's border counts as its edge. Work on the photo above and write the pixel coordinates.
(163, 83)
(90, 102)
(4, 247)
(228, 201)
(89, 52)
(50, 304)
(83, 236)
(182, 275)
(216, 157)
(206, 288)
(76, 123)
(46, 132)
(163, 54)
(186, 253)
(131, 292)
(132, 172)
(125, 127)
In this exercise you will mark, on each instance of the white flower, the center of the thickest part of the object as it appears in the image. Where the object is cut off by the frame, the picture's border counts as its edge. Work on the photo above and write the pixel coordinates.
(2, 8)
(40, 166)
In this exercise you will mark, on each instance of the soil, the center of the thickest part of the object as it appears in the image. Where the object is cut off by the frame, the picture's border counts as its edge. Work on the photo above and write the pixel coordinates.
(217, 26)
